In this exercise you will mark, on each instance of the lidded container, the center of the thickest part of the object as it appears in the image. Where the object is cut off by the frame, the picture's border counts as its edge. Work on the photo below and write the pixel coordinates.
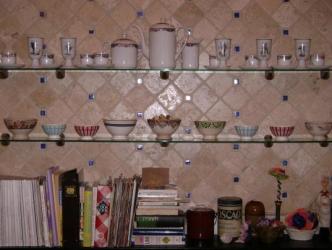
(124, 53)
(229, 216)
(200, 225)
(190, 53)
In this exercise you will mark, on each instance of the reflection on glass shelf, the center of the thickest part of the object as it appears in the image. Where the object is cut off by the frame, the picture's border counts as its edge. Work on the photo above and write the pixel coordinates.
(153, 140)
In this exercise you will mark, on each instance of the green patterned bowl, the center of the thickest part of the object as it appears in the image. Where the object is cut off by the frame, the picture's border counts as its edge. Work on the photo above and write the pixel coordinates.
(210, 129)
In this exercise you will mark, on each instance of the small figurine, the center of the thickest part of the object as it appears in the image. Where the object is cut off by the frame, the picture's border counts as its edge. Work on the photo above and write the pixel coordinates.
(280, 174)
(244, 234)
(323, 203)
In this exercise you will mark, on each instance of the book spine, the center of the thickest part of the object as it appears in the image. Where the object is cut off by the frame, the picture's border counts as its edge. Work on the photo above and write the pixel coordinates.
(157, 193)
(158, 203)
(52, 206)
(93, 216)
(102, 216)
(81, 214)
(45, 216)
(160, 221)
(87, 224)
(158, 240)
(139, 231)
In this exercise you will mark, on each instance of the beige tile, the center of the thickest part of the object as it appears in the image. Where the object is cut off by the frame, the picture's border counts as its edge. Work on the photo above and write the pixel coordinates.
(154, 110)
(193, 14)
(220, 111)
(205, 31)
(236, 97)
(122, 110)
(187, 82)
(75, 97)
(303, 5)
(171, 98)
(107, 30)
(124, 83)
(124, 20)
(153, 83)
(43, 96)
(268, 98)
(188, 113)
(204, 98)
(270, 6)
(155, 12)
(91, 82)
(90, 13)
(237, 4)
(107, 97)
(90, 114)
(205, 5)
(220, 15)
(286, 15)
(140, 98)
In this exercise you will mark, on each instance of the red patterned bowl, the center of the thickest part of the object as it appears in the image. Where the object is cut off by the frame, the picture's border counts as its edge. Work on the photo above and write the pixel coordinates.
(282, 133)
(20, 128)
(86, 132)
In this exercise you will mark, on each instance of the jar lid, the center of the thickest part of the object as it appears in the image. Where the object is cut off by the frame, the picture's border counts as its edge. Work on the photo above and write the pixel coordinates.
(201, 208)
(162, 25)
(230, 201)
(191, 41)
(124, 41)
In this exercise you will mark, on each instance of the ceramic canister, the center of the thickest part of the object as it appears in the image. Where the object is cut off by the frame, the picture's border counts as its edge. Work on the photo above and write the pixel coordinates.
(229, 216)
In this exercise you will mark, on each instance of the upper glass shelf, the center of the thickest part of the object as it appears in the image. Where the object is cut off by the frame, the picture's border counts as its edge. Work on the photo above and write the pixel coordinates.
(208, 69)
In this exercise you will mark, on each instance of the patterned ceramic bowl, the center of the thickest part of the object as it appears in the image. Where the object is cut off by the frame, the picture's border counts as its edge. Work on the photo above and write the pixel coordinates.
(210, 129)
(120, 129)
(319, 130)
(20, 128)
(86, 132)
(246, 132)
(164, 126)
(54, 130)
(282, 133)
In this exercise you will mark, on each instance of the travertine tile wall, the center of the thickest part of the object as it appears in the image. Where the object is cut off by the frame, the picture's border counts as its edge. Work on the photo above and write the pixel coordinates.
(213, 96)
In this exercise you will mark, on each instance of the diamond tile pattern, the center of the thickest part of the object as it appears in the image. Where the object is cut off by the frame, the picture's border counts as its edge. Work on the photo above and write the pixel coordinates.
(214, 96)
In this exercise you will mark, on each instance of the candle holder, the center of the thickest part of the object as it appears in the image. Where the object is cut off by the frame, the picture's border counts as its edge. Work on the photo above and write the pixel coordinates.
(68, 48)
(264, 47)
(223, 50)
(302, 51)
(35, 47)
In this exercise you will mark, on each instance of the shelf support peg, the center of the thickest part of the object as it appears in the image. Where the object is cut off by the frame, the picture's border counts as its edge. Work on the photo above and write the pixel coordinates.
(325, 74)
(60, 73)
(5, 139)
(3, 73)
(269, 74)
(268, 143)
(164, 74)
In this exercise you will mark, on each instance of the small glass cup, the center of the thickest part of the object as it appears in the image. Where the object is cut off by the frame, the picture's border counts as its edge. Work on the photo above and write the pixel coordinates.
(251, 61)
(86, 59)
(47, 59)
(302, 51)
(284, 60)
(35, 47)
(8, 58)
(213, 61)
(263, 47)
(68, 49)
(101, 58)
(317, 59)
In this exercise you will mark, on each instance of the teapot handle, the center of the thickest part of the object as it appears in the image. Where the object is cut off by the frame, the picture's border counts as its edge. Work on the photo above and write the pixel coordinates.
(185, 30)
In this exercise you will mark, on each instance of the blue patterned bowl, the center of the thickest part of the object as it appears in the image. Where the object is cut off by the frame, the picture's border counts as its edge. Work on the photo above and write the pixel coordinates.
(54, 130)
(246, 132)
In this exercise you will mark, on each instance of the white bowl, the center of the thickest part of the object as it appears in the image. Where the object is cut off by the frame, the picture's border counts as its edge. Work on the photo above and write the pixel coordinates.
(210, 129)
(54, 130)
(303, 235)
(319, 130)
(246, 132)
(120, 129)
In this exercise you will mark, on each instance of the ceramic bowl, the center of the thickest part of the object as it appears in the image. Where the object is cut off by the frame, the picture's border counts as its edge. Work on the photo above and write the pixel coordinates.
(303, 235)
(120, 129)
(246, 132)
(86, 132)
(210, 129)
(164, 126)
(20, 128)
(282, 132)
(54, 130)
(319, 130)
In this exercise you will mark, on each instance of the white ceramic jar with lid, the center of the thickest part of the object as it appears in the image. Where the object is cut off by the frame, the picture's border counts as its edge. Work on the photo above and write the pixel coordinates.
(124, 53)
(190, 53)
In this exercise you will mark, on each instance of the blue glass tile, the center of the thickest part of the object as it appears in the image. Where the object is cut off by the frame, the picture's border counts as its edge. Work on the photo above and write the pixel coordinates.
(42, 146)
(236, 113)
(42, 112)
(188, 195)
(284, 163)
(285, 98)
(187, 162)
(237, 48)
(42, 13)
(236, 14)
(91, 163)
(286, 1)
(285, 32)
(43, 79)
(140, 13)
(236, 146)
(284, 195)
(187, 130)
(140, 114)
(236, 179)
(92, 96)
(92, 31)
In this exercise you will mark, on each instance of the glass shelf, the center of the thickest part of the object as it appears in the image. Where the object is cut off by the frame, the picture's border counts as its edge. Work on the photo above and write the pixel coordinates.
(5, 140)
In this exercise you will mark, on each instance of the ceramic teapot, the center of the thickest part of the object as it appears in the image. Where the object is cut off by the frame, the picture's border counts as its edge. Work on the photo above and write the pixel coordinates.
(162, 45)
(124, 53)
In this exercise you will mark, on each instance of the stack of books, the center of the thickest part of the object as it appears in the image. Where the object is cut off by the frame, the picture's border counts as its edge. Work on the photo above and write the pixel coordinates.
(158, 218)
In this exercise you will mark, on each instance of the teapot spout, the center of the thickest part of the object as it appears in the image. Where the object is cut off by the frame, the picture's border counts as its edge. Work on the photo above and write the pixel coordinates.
(144, 47)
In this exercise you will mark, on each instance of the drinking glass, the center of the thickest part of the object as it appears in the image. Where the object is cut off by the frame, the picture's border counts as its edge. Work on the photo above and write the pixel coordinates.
(264, 47)
(302, 51)
(35, 46)
(68, 47)
(223, 50)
